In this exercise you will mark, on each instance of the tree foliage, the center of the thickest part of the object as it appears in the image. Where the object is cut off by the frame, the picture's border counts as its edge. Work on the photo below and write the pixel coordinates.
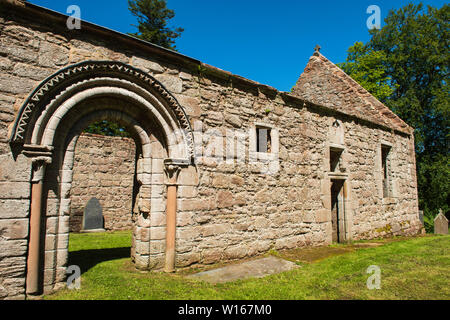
(107, 128)
(152, 17)
(405, 65)
(365, 65)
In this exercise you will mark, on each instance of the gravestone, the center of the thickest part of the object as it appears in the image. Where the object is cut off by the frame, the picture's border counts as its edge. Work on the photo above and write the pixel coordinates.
(93, 216)
(440, 224)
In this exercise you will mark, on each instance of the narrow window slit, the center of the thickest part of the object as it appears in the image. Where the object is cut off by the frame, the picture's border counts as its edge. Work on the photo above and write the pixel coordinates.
(263, 140)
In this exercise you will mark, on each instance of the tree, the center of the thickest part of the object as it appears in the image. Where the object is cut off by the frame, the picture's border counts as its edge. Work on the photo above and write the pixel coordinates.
(107, 128)
(366, 67)
(152, 16)
(416, 44)
(410, 55)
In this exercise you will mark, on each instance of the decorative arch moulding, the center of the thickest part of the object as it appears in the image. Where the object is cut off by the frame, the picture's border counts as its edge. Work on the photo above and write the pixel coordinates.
(56, 83)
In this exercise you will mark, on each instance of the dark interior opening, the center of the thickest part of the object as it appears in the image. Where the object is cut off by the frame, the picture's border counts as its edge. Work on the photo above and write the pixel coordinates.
(263, 140)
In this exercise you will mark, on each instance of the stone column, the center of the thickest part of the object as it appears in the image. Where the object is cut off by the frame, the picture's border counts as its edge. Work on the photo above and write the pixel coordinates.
(172, 169)
(33, 260)
(172, 172)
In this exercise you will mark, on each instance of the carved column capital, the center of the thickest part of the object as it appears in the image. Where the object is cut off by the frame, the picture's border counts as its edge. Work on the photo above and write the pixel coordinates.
(40, 157)
(39, 165)
(172, 168)
(172, 173)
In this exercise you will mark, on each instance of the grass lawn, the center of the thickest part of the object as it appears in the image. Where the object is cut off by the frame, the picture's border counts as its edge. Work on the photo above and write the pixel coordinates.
(416, 268)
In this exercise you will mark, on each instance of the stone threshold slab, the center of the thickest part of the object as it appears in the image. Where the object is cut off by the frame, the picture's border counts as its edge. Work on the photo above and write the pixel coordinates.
(251, 269)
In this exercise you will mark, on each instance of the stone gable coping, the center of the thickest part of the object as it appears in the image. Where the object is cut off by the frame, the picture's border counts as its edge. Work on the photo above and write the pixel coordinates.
(318, 84)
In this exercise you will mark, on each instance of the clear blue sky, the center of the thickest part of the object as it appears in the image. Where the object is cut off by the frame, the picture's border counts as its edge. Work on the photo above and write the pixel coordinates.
(265, 41)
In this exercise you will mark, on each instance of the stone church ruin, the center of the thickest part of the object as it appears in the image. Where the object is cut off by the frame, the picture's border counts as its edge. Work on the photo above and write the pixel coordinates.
(223, 167)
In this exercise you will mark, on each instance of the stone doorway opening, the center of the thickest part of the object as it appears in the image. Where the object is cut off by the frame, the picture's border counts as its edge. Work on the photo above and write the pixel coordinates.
(103, 186)
(338, 210)
(102, 194)
(46, 130)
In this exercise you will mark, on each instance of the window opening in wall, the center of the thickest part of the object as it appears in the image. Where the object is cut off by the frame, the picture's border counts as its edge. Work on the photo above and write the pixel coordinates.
(335, 159)
(263, 140)
(385, 163)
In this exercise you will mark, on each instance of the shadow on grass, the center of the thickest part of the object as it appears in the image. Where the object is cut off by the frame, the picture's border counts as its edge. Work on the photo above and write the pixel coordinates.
(87, 259)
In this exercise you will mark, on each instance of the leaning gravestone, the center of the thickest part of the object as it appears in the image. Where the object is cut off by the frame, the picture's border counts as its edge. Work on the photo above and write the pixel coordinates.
(93, 216)
(421, 216)
(440, 224)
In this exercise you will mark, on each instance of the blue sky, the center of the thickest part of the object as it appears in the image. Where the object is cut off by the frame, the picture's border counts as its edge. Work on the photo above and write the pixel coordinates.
(265, 41)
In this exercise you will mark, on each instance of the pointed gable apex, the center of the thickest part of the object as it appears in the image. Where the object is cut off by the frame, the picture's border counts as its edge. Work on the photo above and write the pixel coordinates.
(324, 83)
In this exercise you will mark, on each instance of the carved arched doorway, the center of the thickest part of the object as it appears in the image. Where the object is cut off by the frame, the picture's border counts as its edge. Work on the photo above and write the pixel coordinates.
(47, 129)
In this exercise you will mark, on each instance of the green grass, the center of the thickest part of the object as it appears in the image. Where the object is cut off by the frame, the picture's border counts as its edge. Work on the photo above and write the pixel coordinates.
(417, 268)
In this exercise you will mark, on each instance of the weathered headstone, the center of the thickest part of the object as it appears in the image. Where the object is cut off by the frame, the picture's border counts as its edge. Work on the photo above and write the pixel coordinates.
(93, 216)
(440, 224)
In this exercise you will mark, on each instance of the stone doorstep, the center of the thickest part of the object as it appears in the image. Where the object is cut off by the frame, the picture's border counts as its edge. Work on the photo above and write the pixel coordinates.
(251, 269)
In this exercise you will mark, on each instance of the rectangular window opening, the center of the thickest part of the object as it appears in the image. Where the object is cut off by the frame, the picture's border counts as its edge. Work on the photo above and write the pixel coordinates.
(385, 151)
(263, 140)
(335, 159)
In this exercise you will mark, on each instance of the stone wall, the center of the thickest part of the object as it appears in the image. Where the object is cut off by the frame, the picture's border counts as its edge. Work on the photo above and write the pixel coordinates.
(226, 209)
(104, 168)
(14, 223)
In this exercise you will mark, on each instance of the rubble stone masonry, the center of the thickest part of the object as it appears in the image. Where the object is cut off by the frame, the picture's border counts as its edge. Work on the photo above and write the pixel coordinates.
(225, 209)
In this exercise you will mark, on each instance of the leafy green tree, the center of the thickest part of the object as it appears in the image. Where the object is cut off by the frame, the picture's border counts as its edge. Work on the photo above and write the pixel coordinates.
(153, 16)
(410, 55)
(107, 128)
(365, 65)
(416, 44)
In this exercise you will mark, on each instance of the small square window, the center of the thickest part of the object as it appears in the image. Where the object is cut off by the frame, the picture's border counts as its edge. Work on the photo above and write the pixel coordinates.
(263, 140)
